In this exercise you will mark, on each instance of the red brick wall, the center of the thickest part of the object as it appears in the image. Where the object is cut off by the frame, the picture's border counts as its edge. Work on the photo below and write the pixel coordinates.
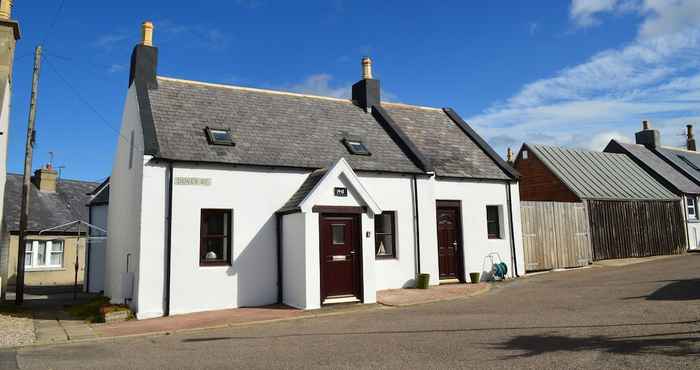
(538, 183)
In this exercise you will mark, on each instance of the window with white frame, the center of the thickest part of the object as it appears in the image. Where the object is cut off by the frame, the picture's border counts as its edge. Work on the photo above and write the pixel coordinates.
(692, 208)
(43, 253)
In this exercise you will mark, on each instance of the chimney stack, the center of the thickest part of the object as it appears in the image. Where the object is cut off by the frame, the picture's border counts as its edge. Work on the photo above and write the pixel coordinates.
(144, 59)
(5, 9)
(509, 156)
(365, 93)
(691, 139)
(147, 33)
(45, 179)
(648, 137)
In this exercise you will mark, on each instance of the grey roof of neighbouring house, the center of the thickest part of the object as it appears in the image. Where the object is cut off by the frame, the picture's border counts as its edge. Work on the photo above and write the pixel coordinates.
(660, 169)
(602, 176)
(46, 210)
(306, 187)
(674, 155)
(100, 195)
(279, 129)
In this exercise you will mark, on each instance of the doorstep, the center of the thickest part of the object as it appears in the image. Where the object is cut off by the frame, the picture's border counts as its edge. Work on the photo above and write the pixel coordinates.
(412, 296)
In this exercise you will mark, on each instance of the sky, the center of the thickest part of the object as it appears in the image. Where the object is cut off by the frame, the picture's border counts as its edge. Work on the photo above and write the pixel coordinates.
(572, 73)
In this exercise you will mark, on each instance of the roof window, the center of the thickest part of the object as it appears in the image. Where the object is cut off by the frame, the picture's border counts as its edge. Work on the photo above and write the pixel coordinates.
(218, 136)
(356, 147)
(688, 162)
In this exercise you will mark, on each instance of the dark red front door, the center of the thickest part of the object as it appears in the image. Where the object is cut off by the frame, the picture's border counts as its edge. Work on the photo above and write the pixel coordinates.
(449, 239)
(340, 257)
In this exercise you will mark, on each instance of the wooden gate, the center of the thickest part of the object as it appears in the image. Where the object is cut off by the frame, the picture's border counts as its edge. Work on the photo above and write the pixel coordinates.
(555, 235)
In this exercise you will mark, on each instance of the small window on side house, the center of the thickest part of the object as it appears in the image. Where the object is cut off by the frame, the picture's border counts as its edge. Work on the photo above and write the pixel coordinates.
(356, 147)
(384, 234)
(692, 208)
(493, 222)
(219, 136)
(215, 237)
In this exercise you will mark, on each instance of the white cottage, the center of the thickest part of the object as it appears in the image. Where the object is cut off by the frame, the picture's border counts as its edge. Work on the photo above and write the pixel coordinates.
(224, 196)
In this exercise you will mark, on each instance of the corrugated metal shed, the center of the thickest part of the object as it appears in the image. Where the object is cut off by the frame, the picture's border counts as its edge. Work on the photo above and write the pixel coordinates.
(601, 176)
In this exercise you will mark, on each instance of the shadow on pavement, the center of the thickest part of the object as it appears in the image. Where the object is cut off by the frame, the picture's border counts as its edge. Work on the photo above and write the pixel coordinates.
(447, 331)
(534, 345)
(675, 290)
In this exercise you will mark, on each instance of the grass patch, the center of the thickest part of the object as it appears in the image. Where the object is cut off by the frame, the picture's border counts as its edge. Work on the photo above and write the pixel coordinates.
(89, 311)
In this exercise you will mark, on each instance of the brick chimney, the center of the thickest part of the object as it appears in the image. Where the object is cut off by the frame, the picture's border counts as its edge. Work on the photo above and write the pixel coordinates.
(365, 93)
(690, 144)
(648, 137)
(45, 179)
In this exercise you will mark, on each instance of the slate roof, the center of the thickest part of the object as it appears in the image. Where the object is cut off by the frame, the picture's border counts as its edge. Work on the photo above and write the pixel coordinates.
(658, 167)
(100, 195)
(306, 187)
(273, 128)
(601, 176)
(47, 210)
(450, 151)
(673, 155)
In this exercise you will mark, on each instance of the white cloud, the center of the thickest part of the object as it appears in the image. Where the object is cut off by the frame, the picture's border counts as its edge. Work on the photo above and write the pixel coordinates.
(657, 77)
(320, 84)
(584, 12)
(114, 68)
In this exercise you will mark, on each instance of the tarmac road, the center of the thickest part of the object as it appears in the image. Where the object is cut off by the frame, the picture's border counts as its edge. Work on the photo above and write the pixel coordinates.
(637, 316)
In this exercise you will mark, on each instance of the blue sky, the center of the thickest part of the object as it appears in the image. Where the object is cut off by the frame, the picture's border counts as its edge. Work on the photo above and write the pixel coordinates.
(555, 72)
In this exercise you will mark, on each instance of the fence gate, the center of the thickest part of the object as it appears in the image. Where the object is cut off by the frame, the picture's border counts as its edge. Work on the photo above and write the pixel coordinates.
(555, 235)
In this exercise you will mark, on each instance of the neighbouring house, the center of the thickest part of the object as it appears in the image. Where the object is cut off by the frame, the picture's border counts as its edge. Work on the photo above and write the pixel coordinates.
(9, 34)
(97, 241)
(224, 196)
(677, 169)
(49, 257)
(627, 212)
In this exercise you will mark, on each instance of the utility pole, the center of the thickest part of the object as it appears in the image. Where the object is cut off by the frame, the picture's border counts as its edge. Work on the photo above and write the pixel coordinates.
(24, 212)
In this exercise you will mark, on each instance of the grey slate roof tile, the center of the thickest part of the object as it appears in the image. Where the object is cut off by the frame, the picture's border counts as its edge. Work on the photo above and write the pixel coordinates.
(674, 156)
(658, 165)
(451, 152)
(602, 176)
(268, 128)
(273, 128)
(306, 187)
(47, 210)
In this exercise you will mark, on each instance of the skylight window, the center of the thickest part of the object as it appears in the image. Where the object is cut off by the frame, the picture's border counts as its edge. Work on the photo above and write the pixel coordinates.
(356, 147)
(688, 162)
(219, 136)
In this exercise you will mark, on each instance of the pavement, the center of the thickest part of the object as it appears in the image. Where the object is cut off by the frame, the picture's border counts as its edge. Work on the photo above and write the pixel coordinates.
(410, 297)
(644, 315)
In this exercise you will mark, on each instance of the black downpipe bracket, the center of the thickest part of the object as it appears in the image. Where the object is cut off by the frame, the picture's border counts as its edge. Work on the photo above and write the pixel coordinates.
(169, 240)
(513, 256)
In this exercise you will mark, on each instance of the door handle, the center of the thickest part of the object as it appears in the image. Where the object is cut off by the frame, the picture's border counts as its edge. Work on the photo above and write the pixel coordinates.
(454, 243)
(352, 253)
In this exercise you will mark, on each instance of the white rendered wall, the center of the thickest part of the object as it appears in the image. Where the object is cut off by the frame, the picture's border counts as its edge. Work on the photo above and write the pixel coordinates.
(254, 195)
(427, 219)
(394, 193)
(124, 213)
(294, 260)
(474, 197)
(4, 128)
(96, 271)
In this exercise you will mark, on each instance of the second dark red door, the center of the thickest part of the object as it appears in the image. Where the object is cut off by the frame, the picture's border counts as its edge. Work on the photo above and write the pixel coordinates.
(449, 239)
(340, 257)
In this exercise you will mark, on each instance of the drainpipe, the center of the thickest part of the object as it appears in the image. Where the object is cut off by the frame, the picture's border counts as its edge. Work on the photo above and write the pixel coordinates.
(280, 287)
(169, 241)
(513, 257)
(88, 244)
(416, 227)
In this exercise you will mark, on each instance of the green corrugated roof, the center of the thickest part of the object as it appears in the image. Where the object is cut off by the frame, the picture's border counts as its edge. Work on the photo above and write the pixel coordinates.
(596, 175)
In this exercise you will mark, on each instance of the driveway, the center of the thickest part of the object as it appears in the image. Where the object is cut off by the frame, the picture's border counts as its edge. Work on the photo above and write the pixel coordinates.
(637, 316)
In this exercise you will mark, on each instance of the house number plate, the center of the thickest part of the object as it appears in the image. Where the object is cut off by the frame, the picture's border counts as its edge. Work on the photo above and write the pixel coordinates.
(340, 192)
(193, 181)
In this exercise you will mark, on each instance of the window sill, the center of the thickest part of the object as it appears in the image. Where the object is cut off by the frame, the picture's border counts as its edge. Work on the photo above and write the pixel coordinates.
(388, 257)
(495, 238)
(214, 264)
(44, 269)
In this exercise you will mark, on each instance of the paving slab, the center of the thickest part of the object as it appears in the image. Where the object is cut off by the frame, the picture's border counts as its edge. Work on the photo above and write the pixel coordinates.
(412, 296)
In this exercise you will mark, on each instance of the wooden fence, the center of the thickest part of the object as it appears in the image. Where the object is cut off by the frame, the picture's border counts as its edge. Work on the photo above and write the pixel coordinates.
(555, 235)
(622, 229)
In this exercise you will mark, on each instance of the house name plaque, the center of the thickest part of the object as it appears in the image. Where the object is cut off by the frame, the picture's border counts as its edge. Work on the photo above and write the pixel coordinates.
(193, 181)
(340, 192)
